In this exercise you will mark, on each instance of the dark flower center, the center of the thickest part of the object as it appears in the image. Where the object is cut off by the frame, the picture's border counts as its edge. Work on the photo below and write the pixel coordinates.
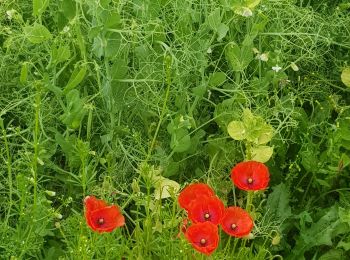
(203, 241)
(206, 216)
(233, 226)
(100, 221)
(250, 180)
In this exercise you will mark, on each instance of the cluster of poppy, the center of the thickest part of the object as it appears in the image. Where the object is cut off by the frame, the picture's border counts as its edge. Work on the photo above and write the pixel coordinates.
(206, 211)
(100, 217)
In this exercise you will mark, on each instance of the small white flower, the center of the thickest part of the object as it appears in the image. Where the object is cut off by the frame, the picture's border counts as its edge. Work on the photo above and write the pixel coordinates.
(276, 68)
(246, 12)
(50, 193)
(263, 57)
(65, 29)
(294, 66)
(209, 50)
(256, 51)
(58, 215)
(10, 14)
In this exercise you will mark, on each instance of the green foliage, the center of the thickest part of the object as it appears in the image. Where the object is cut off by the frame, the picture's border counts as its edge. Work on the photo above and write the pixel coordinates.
(37, 33)
(239, 57)
(131, 100)
(345, 76)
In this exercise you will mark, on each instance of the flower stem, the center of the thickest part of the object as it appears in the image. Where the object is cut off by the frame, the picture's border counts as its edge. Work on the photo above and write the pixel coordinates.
(250, 197)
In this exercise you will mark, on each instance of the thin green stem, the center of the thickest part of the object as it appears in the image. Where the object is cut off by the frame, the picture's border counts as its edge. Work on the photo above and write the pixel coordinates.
(164, 107)
(36, 143)
(250, 196)
(9, 170)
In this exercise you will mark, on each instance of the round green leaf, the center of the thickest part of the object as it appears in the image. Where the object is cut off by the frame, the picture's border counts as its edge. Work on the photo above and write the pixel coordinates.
(345, 76)
(266, 134)
(165, 187)
(236, 130)
(262, 153)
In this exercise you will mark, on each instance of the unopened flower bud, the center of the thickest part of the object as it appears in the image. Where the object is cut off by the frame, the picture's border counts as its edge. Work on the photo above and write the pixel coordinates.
(50, 193)
(276, 240)
(58, 215)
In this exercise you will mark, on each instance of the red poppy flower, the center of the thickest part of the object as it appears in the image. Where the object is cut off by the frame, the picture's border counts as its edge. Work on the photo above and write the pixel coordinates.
(204, 237)
(191, 192)
(237, 222)
(250, 175)
(206, 208)
(100, 217)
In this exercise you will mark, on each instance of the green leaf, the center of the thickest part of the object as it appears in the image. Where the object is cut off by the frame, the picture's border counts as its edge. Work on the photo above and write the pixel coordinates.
(236, 130)
(75, 110)
(165, 188)
(180, 140)
(344, 6)
(68, 148)
(200, 90)
(60, 54)
(323, 183)
(37, 33)
(252, 3)
(262, 153)
(222, 31)
(112, 44)
(257, 130)
(319, 233)
(278, 202)
(239, 58)
(214, 19)
(39, 6)
(266, 133)
(345, 76)
(111, 19)
(333, 254)
(76, 77)
(243, 11)
(344, 129)
(344, 245)
(119, 70)
(68, 8)
(309, 160)
(216, 79)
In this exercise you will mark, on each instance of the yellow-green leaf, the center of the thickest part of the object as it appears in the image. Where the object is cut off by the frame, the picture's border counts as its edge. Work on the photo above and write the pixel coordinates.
(165, 188)
(236, 130)
(262, 153)
(345, 76)
(252, 3)
(266, 134)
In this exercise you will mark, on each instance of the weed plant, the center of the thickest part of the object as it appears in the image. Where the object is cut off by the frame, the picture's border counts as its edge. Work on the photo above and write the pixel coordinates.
(99, 97)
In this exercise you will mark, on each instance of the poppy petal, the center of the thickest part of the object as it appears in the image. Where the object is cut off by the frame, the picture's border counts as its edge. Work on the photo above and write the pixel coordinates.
(91, 203)
(191, 192)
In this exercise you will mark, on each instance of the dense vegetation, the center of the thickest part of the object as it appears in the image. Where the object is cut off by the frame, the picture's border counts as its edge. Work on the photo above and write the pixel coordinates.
(118, 98)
